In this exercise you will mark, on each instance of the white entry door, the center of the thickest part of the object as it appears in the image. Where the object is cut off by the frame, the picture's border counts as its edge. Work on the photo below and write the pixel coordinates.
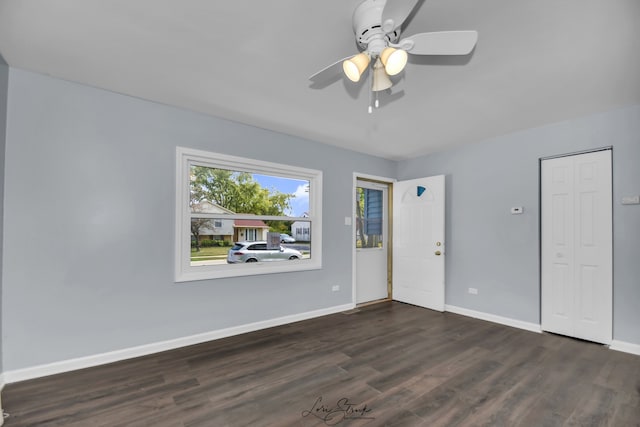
(372, 281)
(418, 242)
(577, 284)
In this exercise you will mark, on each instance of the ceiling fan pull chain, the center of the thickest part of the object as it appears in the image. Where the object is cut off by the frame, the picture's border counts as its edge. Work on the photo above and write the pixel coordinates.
(371, 89)
(374, 93)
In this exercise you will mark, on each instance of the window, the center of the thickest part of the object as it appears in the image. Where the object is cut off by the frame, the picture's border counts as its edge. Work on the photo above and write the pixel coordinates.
(369, 212)
(224, 201)
(251, 235)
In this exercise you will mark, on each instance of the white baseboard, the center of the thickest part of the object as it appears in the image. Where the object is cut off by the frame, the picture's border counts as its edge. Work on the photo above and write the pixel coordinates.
(147, 349)
(533, 327)
(623, 346)
(626, 347)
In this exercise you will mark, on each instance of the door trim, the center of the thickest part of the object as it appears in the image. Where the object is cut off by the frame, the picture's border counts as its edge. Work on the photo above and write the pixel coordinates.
(576, 153)
(379, 180)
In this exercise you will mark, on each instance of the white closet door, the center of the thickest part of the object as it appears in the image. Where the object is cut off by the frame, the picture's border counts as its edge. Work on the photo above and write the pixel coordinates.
(557, 245)
(577, 287)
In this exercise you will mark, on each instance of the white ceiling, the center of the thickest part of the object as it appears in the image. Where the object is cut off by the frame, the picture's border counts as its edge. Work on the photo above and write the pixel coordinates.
(536, 62)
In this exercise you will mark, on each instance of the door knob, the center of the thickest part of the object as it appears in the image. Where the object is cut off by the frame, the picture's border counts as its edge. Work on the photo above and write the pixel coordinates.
(438, 253)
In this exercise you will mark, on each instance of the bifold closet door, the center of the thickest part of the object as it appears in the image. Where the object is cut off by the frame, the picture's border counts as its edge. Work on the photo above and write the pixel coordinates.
(576, 216)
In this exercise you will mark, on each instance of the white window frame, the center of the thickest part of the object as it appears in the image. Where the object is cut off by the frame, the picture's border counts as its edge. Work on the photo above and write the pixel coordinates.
(185, 157)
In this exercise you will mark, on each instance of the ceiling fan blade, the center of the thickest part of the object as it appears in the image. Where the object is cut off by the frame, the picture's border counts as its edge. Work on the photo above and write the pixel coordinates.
(395, 12)
(441, 43)
(329, 71)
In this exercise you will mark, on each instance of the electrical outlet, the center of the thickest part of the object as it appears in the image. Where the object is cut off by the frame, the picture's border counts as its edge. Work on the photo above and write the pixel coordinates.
(473, 291)
(335, 288)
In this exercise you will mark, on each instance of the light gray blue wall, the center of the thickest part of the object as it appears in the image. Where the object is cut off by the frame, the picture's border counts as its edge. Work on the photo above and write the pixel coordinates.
(4, 86)
(498, 253)
(89, 221)
(89, 224)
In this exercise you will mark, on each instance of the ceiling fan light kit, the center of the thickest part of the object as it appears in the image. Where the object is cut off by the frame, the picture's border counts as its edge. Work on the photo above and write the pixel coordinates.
(393, 60)
(355, 66)
(377, 27)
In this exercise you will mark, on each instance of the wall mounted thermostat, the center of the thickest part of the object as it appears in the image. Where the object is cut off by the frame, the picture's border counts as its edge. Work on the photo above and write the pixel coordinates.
(631, 200)
(517, 210)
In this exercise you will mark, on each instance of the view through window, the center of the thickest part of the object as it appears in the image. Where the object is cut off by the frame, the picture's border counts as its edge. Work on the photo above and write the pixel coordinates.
(220, 200)
(369, 214)
(242, 211)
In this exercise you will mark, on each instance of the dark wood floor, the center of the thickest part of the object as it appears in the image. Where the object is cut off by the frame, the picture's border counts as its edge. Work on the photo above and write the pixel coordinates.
(386, 364)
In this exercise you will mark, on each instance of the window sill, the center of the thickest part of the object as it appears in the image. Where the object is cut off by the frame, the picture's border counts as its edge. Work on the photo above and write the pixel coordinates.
(251, 269)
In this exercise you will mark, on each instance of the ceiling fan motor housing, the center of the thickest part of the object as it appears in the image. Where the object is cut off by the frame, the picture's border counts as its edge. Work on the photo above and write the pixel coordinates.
(367, 25)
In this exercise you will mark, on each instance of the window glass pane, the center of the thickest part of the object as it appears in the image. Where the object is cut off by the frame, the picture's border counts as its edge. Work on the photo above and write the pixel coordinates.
(211, 239)
(211, 245)
(226, 203)
(222, 191)
(369, 208)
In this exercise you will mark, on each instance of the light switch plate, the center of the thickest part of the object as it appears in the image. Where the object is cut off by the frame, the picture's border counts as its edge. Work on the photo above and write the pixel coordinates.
(517, 210)
(631, 200)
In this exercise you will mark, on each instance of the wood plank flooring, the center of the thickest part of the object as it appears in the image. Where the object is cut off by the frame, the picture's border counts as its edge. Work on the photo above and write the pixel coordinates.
(386, 364)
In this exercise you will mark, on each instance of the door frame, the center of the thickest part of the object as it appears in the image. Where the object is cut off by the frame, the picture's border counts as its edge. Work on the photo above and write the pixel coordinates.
(389, 183)
(557, 156)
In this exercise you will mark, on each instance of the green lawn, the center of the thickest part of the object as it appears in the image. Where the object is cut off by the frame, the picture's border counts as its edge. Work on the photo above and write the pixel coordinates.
(215, 252)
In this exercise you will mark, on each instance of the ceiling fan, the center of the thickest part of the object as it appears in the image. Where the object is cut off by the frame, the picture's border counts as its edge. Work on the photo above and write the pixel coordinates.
(377, 27)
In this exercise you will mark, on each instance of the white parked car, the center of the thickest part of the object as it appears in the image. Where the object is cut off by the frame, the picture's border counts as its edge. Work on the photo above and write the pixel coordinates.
(258, 252)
